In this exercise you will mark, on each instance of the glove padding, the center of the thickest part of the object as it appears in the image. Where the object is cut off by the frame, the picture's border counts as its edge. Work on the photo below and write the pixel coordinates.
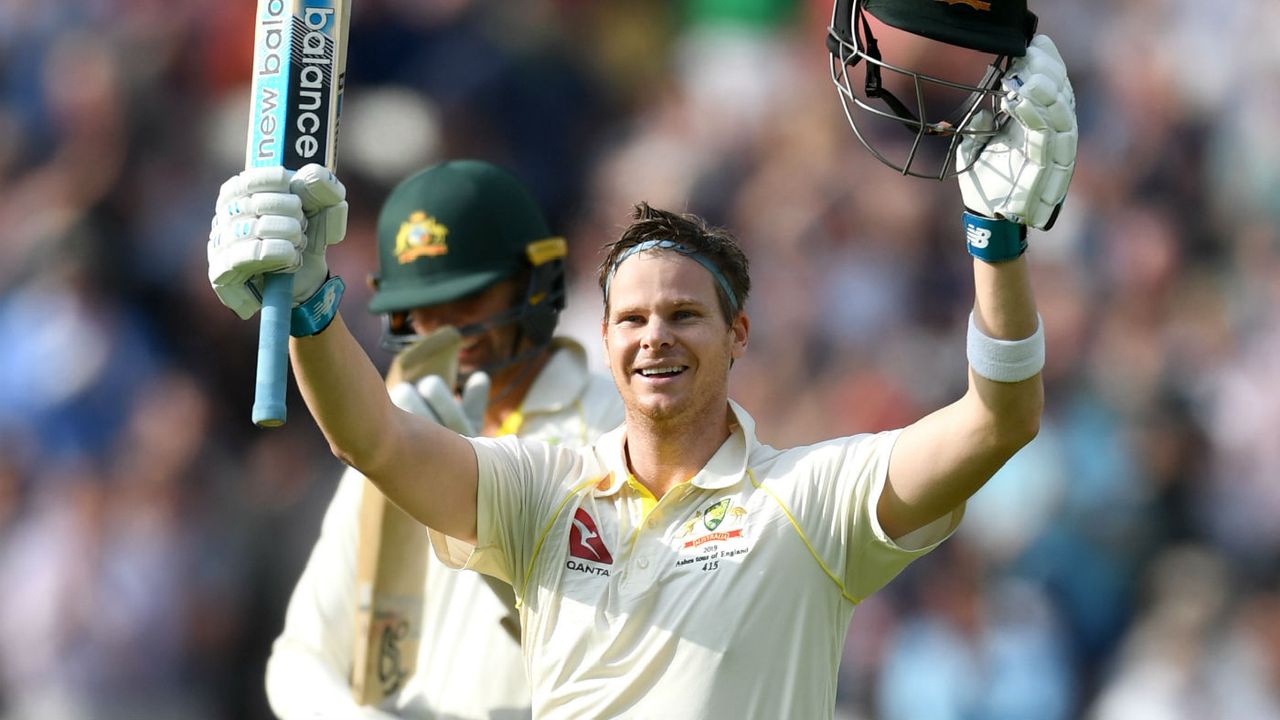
(421, 378)
(431, 398)
(1023, 171)
(274, 220)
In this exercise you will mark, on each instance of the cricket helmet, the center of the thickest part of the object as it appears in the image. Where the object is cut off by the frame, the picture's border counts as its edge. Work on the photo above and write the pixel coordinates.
(455, 229)
(935, 110)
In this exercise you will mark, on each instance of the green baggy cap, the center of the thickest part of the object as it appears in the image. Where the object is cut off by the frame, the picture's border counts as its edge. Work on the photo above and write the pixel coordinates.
(1000, 27)
(451, 230)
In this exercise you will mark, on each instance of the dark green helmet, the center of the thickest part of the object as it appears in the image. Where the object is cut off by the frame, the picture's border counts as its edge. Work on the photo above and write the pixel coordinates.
(999, 27)
(936, 111)
(455, 229)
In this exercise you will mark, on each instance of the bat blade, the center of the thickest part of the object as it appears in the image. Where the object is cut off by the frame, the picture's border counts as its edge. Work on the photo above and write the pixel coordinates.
(299, 68)
(391, 567)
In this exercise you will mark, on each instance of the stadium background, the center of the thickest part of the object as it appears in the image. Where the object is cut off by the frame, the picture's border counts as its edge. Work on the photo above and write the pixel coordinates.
(1122, 566)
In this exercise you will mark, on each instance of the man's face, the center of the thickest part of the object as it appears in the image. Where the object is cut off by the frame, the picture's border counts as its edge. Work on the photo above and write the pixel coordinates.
(668, 345)
(483, 348)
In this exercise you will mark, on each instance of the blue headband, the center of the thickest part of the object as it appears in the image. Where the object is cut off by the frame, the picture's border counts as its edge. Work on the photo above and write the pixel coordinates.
(688, 252)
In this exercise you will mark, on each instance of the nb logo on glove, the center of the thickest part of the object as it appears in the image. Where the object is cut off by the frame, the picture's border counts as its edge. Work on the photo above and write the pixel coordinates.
(329, 303)
(978, 237)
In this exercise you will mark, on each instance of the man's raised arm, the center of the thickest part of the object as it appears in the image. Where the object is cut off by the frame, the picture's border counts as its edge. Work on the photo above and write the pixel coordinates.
(273, 220)
(425, 468)
(1018, 179)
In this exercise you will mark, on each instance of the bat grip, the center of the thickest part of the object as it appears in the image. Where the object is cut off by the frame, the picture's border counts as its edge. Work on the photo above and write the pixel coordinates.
(273, 351)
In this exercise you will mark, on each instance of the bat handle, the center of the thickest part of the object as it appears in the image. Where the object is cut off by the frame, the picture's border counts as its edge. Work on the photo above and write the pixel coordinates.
(273, 351)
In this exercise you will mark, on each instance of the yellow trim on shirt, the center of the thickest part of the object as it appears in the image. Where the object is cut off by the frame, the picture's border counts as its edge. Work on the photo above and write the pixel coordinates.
(537, 548)
(647, 501)
(803, 538)
(511, 424)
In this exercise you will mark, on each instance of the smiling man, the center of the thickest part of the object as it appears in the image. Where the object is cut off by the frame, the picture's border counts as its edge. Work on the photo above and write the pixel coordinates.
(677, 567)
(673, 325)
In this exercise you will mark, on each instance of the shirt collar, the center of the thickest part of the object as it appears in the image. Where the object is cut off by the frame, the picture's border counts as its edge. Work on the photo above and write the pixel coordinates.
(725, 468)
(561, 382)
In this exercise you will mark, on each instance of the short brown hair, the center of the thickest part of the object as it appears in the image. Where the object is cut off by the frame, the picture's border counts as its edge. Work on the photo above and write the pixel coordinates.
(716, 245)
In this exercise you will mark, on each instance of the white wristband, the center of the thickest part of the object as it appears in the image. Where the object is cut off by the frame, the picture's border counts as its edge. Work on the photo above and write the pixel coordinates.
(1007, 361)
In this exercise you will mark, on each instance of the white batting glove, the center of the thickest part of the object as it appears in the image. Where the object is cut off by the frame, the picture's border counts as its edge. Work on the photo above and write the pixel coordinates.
(1023, 171)
(274, 220)
(475, 399)
(431, 398)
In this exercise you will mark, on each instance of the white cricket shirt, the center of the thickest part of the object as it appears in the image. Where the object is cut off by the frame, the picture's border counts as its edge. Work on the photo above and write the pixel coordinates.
(729, 597)
(469, 665)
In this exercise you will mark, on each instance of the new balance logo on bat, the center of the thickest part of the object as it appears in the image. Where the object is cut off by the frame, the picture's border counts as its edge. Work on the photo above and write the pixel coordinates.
(978, 237)
(313, 53)
(295, 78)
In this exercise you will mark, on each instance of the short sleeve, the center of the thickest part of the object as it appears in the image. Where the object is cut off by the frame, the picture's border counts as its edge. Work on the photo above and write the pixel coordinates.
(835, 500)
(873, 558)
(520, 484)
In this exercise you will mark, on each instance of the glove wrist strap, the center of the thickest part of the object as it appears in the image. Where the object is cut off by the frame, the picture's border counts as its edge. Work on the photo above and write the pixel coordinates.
(315, 313)
(993, 240)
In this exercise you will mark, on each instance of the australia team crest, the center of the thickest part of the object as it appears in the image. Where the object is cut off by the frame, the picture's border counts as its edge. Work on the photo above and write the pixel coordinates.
(420, 236)
(721, 520)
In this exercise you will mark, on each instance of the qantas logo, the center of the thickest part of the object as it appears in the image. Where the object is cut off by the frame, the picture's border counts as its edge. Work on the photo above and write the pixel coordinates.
(585, 542)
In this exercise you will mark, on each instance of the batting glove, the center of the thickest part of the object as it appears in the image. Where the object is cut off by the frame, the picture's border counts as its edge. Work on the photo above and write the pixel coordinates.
(1023, 171)
(417, 383)
(431, 398)
(274, 220)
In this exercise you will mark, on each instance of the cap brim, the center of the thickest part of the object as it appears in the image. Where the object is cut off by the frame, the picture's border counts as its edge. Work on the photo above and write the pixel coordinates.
(425, 293)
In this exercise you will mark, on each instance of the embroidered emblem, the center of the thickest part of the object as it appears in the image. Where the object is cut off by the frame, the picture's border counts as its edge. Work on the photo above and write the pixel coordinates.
(717, 519)
(420, 236)
(714, 515)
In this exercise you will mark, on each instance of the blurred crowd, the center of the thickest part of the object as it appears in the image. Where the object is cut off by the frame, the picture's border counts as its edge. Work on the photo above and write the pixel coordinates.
(1124, 566)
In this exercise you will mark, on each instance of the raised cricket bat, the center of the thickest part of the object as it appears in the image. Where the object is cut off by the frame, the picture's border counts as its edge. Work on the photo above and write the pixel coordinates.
(391, 553)
(299, 62)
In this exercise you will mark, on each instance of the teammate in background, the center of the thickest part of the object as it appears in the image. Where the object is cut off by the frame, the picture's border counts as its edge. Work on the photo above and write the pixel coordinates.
(459, 244)
(677, 568)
